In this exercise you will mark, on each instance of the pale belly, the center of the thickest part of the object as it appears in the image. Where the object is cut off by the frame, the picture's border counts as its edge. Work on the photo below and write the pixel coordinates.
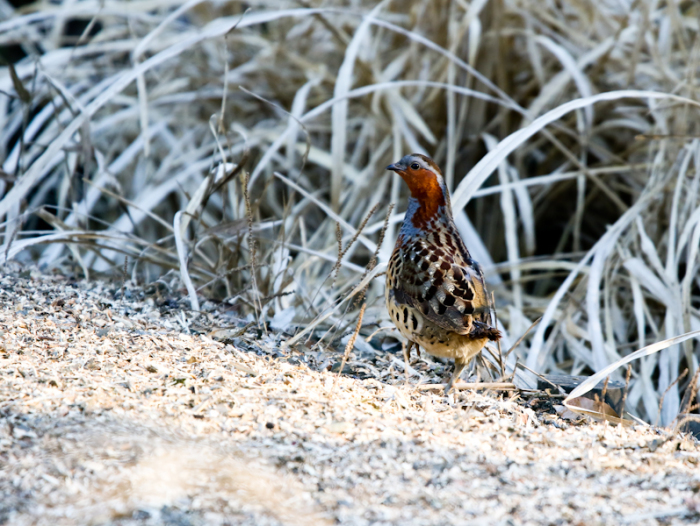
(435, 340)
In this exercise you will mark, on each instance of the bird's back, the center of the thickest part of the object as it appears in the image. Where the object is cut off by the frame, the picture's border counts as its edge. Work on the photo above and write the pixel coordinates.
(431, 272)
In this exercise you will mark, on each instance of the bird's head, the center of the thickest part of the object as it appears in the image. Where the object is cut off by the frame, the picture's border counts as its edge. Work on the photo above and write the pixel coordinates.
(424, 180)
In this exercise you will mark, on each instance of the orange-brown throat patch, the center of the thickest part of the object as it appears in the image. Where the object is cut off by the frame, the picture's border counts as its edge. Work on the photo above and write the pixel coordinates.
(425, 188)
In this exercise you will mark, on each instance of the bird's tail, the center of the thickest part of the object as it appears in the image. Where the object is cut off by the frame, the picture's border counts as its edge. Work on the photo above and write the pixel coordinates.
(481, 330)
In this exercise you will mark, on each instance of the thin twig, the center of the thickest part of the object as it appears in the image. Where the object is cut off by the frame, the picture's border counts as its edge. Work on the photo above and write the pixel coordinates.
(350, 345)
(374, 258)
(522, 366)
(380, 329)
(661, 402)
(498, 342)
(534, 323)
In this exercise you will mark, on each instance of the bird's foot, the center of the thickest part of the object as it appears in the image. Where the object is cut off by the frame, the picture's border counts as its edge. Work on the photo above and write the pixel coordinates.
(459, 367)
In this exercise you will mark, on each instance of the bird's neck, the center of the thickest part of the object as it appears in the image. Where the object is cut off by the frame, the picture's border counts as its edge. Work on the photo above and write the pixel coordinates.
(423, 214)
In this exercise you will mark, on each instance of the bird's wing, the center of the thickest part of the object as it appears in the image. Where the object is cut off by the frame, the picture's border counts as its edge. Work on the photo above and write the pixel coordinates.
(448, 288)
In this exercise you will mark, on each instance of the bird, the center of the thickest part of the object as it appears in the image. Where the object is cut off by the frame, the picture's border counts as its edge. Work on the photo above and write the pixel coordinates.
(435, 292)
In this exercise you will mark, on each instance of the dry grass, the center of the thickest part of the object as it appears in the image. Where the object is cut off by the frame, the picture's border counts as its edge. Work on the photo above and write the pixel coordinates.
(131, 137)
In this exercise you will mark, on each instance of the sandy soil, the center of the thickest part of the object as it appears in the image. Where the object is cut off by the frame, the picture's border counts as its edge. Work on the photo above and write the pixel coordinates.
(129, 411)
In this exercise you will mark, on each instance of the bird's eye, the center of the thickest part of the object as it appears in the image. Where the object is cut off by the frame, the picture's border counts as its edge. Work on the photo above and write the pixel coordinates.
(415, 166)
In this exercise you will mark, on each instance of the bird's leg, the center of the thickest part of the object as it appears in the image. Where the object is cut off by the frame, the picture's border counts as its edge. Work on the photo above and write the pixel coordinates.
(407, 358)
(459, 367)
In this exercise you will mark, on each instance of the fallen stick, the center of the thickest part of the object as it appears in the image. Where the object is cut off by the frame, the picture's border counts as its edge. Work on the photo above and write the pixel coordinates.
(500, 386)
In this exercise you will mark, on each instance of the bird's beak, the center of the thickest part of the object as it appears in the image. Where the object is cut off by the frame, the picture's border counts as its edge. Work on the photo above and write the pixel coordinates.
(393, 168)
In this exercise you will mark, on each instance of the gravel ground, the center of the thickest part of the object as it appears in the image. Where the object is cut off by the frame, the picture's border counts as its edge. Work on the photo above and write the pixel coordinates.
(132, 410)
